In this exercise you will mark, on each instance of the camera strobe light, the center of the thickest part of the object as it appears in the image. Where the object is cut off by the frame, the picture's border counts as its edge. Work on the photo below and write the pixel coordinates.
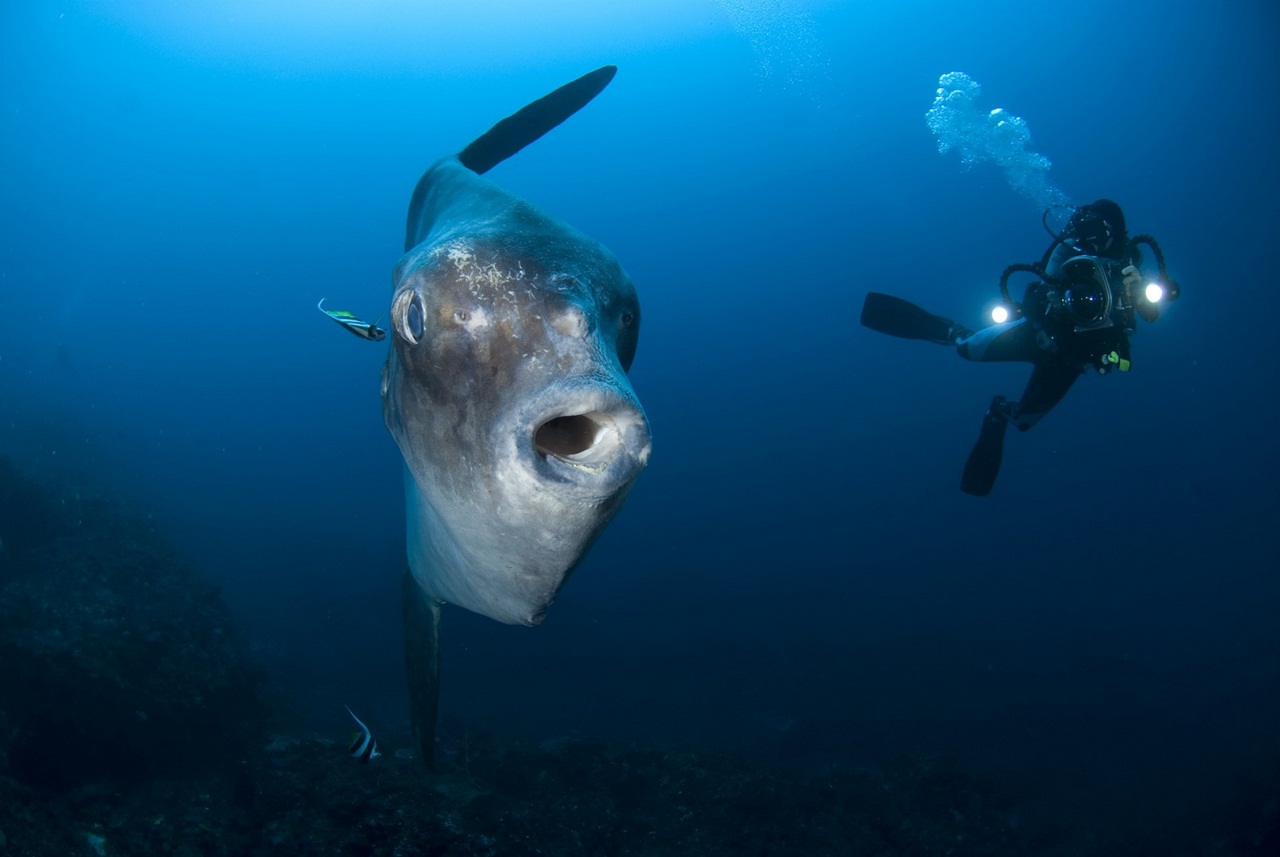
(1154, 293)
(1000, 314)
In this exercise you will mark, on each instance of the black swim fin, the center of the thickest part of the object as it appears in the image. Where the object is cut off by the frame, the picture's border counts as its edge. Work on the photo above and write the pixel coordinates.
(983, 464)
(422, 661)
(896, 317)
(533, 120)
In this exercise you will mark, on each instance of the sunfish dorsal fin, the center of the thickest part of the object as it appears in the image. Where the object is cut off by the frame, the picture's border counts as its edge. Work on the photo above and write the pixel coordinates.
(533, 120)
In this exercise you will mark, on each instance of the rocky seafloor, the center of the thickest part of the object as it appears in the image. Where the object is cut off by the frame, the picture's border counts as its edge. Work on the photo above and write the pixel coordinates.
(130, 724)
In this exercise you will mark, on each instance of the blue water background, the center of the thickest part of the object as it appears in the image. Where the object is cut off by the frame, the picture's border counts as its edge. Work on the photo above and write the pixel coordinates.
(796, 573)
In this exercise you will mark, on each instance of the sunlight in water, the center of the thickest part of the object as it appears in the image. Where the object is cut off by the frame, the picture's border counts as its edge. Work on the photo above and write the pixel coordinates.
(414, 33)
(459, 34)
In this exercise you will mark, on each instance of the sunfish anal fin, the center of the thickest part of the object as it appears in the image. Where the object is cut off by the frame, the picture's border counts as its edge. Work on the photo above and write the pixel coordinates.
(422, 660)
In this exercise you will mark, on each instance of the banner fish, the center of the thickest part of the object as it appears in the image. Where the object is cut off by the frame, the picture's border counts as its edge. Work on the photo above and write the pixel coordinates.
(362, 329)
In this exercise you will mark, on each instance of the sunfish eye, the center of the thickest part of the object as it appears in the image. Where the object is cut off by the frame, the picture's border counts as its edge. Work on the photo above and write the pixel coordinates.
(628, 318)
(407, 316)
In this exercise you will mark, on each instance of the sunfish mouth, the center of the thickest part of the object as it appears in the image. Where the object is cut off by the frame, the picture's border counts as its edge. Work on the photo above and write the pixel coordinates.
(583, 440)
(599, 441)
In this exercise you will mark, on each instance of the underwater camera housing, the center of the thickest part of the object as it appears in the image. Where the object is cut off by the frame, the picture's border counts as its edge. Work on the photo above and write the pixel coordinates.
(1080, 298)
(1085, 298)
(1089, 293)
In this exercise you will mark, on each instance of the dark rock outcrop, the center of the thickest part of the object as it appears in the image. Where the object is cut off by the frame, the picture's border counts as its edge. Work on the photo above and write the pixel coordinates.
(116, 659)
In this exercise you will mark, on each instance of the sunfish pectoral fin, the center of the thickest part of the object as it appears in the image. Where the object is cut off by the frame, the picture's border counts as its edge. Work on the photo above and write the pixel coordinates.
(532, 121)
(422, 661)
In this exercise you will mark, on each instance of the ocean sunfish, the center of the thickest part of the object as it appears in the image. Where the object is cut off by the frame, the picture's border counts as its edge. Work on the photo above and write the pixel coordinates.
(505, 388)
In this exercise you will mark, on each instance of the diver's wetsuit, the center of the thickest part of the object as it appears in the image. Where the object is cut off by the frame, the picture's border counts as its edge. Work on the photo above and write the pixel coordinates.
(1054, 372)
(1058, 353)
(1078, 314)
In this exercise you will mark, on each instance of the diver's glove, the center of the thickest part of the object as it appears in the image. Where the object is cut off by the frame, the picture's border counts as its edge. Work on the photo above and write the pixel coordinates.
(1135, 289)
(1132, 282)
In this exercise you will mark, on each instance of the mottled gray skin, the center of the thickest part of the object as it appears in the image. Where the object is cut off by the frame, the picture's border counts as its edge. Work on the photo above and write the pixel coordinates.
(506, 390)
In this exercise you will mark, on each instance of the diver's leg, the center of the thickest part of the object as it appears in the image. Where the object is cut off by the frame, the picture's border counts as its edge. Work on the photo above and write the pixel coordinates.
(896, 317)
(1012, 341)
(1048, 384)
(1009, 342)
(983, 464)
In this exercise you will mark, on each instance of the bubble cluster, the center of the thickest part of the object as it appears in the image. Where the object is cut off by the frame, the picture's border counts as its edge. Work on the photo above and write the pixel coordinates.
(789, 52)
(995, 136)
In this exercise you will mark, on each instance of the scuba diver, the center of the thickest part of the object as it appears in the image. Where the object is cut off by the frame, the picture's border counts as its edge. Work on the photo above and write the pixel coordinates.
(1077, 314)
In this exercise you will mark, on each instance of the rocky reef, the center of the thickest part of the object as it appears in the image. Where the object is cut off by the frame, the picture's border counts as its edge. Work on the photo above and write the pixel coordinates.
(302, 795)
(116, 658)
(129, 725)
